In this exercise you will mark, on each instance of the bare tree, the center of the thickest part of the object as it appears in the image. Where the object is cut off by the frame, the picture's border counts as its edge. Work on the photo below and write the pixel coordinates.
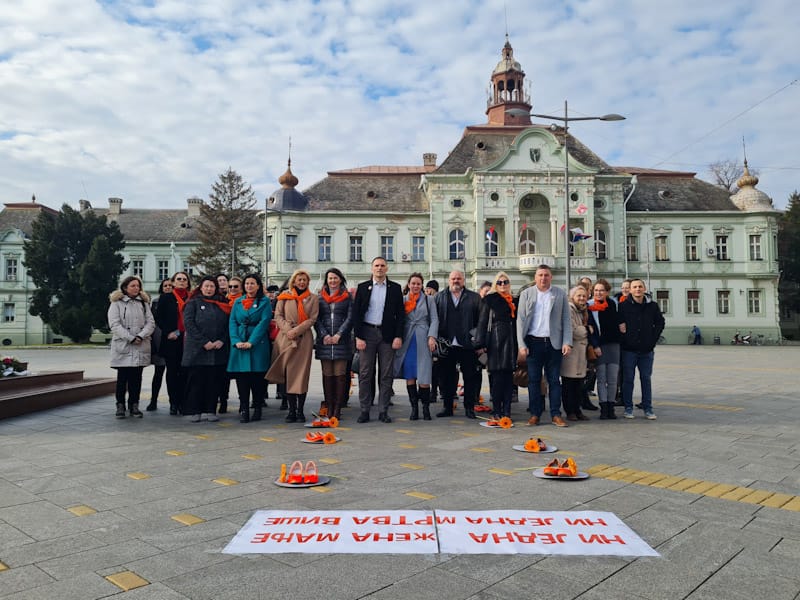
(727, 172)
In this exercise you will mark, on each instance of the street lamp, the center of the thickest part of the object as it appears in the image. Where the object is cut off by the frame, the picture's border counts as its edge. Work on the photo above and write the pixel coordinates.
(518, 112)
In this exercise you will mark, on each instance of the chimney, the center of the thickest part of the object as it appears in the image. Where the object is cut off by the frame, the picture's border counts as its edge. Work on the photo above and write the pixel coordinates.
(429, 159)
(193, 205)
(84, 205)
(114, 206)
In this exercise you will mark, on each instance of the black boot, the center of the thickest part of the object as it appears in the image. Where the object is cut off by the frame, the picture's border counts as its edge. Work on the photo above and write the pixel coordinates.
(340, 394)
(135, 412)
(425, 398)
(152, 406)
(413, 398)
(301, 401)
(291, 417)
(244, 412)
(257, 411)
(610, 414)
(284, 403)
(448, 408)
(120, 410)
(586, 404)
(604, 410)
(223, 406)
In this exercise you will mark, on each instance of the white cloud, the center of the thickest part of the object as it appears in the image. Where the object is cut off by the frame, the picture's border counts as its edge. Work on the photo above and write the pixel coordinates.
(151, 100)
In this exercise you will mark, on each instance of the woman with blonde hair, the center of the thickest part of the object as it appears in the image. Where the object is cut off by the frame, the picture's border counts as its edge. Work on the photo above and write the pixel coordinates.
(573, 366)
(296, 313)
(496, 335)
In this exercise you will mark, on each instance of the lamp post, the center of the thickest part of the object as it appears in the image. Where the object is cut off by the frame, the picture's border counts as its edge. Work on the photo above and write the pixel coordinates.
(518, 112)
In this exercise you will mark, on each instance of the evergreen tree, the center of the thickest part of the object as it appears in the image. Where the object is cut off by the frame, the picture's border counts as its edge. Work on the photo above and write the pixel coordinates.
(789, 253)
(227, 228)
(74, 259)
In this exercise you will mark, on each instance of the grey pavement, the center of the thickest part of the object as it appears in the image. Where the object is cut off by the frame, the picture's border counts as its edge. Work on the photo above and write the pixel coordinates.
(726, 415)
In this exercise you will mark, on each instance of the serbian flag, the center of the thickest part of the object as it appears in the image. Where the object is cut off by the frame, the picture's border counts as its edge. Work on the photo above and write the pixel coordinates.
(490, 233)
(578, 235)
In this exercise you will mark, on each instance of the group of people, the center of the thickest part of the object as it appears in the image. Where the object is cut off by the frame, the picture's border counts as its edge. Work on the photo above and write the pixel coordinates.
(236, 329)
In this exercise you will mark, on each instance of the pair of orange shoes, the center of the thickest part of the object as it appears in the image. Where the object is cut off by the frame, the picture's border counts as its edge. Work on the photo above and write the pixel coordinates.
(566, 469)
(298, 474)
(317, 437)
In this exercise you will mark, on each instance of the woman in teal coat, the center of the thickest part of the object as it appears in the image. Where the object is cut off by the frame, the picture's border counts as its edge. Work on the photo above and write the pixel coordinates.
(250, 346)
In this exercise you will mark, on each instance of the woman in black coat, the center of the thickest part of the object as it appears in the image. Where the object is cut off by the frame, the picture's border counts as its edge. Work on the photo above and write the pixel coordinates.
(334, 341)
(605, 318)
(205, 351)
(169, 318)
(496, 334)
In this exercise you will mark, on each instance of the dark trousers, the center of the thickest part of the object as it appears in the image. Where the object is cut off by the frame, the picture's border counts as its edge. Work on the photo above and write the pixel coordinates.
(202, 389)
(380, 350)
(501, 384)
(155, 384)
(542, 356)
(250, 385)
(448, 376)
(176, 383)
(129, 379)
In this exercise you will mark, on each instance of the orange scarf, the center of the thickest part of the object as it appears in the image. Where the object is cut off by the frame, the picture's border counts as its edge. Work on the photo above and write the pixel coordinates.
(292, 295)
(247, 302)
(223, 306)
(622, 299)
(340, 296)
(411, 303)
(598, 306)
(232, 298)
(510, 301)
(180, 297)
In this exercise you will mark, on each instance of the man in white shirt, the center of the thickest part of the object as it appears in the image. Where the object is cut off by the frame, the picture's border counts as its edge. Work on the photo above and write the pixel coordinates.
(544, 331)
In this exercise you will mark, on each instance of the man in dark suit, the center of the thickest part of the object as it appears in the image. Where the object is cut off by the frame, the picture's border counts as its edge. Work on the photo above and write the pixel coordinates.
(378, 321)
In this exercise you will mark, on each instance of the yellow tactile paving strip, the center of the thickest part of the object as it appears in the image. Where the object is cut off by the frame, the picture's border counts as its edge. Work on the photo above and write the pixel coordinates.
(82, 510)
(712, 489)
(127, 580)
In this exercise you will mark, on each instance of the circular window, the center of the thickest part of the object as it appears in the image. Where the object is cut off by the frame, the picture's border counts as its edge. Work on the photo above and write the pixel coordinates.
(7, 342)
(527, 203)
(574, 196)
(600, 204)
(480, 145)
(371, 194)
(494, 196)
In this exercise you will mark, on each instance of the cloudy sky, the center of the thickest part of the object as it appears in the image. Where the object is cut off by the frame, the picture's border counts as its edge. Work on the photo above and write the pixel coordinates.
(150, 100)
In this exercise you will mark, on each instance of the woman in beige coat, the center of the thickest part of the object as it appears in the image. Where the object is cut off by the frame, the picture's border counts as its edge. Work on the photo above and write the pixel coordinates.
(295, 314)
(573, 367)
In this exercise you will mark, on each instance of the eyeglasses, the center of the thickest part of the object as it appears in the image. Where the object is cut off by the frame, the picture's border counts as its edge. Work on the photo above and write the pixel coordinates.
(503, 282)
(235, 286)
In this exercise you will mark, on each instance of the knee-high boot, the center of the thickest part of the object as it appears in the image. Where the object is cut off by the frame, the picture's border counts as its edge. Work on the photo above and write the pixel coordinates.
(301, 401)
(413, 398)
(291, 417)
(328, 392)
(339, 394)
(425, 398)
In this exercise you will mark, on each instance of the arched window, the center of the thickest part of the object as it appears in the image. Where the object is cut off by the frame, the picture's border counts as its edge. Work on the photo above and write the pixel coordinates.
(492, 247)
(457, 246)
(527, 241)
(600, 244)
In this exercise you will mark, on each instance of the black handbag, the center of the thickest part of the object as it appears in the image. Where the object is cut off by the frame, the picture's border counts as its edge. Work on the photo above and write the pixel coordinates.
(442, 348)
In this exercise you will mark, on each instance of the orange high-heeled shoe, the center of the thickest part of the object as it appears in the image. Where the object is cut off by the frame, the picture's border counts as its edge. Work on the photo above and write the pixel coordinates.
(551, 468)
(310, 475)
(314, 436)
(568, 468)
(295, 473)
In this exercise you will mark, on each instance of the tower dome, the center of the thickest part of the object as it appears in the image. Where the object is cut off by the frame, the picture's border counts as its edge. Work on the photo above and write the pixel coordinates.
(748, 198)
(508, 91)
(287, 198)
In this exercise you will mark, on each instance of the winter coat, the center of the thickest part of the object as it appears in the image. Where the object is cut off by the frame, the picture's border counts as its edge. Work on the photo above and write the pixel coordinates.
(155, 340)
(128, 319)
(250, 326)
(643, 325)
(335, 317)
(606, 323)
(167, 318)
(204, 322)
(420, 324)
(497, 333)
(574, 365)
(291, 359)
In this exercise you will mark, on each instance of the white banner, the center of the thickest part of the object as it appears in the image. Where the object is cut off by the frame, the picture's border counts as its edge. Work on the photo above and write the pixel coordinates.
(537, 532)
(337, 532)
(449, 532)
